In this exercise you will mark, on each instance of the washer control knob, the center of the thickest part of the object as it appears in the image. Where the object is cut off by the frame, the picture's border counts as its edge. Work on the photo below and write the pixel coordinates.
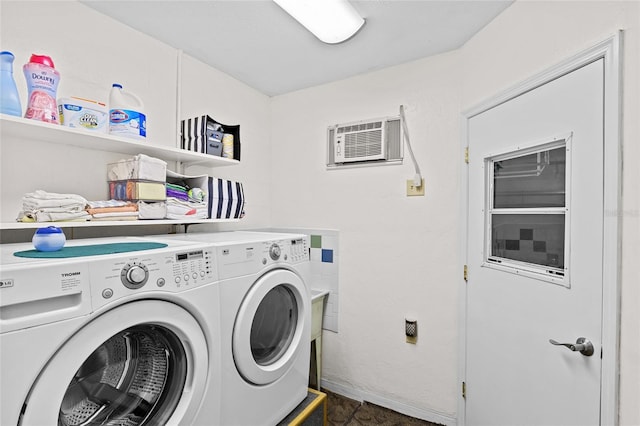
(134, 275)
(274, 251)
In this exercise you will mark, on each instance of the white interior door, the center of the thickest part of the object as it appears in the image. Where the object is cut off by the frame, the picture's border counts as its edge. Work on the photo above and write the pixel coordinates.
(535, 255)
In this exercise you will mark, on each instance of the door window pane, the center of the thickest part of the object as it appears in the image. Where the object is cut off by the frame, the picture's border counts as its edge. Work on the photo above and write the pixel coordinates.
(530, 181)
(531, 238)
(527, 211)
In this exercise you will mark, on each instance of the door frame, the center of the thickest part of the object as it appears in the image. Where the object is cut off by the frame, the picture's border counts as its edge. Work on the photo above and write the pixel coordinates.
(611, 51)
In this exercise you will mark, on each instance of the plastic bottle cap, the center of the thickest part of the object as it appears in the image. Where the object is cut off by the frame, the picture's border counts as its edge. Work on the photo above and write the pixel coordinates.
(7, 63)
(119, 86)
(42, 59)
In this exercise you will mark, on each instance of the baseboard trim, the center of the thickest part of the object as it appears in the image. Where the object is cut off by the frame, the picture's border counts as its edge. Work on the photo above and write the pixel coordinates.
(407, 410)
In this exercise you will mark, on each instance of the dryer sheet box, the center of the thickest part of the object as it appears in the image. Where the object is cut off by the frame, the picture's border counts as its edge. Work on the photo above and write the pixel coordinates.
(224, 198)
(203, 134)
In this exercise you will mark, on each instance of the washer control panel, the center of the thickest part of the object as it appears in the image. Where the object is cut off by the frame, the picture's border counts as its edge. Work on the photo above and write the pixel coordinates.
(191, 267)
(170, 271)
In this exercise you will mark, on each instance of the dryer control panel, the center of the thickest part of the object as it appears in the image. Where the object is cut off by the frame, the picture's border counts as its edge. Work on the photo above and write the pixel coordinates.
(294, 250)
(168, 271)
(246, 258)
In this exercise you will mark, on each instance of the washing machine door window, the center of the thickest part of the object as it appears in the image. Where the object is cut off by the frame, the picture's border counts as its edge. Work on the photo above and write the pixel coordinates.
(143, 363)
(270, 327)
(274, 325)
(131, 379)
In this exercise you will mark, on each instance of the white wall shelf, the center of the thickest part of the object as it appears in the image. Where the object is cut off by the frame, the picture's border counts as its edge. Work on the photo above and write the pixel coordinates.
(89, 223)
(22, 128)
(18, 129)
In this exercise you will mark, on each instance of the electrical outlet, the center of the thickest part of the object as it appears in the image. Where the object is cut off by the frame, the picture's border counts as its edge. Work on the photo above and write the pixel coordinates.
(411, 330)
(413, 190)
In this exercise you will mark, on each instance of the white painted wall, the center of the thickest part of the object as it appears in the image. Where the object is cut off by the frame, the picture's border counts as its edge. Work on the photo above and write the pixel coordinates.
(92, 51)
(399, 255)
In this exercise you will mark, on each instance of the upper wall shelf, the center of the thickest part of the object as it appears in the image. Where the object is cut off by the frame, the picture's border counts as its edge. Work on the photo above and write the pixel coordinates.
(21, 128)
(89, 223)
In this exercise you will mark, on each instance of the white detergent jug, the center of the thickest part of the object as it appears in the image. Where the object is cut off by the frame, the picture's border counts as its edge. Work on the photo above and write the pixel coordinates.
(126, 114)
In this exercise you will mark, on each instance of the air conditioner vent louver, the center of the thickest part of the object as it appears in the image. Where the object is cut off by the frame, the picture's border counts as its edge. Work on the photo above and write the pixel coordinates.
(364, 144)
(360, 127)
(360, 141)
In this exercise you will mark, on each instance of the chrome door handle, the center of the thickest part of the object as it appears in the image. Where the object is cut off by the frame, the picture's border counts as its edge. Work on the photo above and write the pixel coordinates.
(582, 345)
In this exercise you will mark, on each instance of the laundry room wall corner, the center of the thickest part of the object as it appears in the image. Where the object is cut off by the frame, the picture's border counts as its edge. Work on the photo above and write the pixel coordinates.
(232, 102)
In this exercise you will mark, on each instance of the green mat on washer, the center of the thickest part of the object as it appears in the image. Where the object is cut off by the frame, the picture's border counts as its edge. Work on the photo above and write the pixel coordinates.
(90, 250)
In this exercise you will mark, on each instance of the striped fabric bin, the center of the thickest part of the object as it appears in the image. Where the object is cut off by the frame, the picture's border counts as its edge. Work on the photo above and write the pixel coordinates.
(205, 135)
(226, 199)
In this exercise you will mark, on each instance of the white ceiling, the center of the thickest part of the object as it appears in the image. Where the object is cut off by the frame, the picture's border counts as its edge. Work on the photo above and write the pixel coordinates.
(256, 42)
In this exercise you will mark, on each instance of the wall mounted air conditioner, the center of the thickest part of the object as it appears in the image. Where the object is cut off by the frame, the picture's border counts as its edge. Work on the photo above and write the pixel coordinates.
(360, 141)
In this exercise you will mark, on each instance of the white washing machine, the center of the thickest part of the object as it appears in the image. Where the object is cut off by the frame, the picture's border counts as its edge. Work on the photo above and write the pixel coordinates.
(113, 339)
(265, 320)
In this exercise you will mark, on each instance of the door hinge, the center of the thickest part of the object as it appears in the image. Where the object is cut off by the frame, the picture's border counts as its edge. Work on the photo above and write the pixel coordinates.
(465, 273)
(466, 155)
(464, 390)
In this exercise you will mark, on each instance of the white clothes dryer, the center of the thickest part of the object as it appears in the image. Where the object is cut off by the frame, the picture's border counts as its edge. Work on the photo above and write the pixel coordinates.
(113, 339)
(265, 319)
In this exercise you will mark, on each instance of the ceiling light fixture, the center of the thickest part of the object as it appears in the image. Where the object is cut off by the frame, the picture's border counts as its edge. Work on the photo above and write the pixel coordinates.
(332, 21)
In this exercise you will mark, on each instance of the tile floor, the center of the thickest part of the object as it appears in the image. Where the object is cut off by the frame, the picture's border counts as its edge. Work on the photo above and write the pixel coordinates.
(343, 411)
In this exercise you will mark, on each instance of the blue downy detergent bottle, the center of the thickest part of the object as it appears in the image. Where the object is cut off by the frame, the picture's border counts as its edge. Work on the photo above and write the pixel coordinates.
(9, 98)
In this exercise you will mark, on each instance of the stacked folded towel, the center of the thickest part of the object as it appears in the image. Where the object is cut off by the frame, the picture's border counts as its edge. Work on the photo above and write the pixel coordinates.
(177, 191)
(178, 209)
(152, 210)
(42, 206)
(185, 203)
(112, 210)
